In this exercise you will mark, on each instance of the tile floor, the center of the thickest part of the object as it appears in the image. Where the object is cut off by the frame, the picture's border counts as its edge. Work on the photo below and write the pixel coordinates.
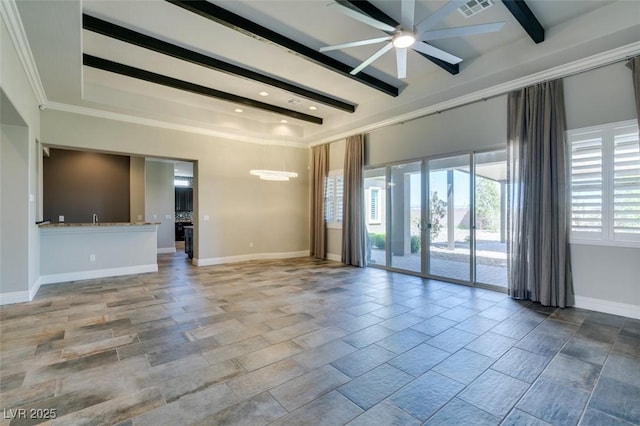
(301, 341)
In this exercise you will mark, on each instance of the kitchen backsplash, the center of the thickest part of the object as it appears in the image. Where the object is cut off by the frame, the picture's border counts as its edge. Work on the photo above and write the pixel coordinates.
(184, 216)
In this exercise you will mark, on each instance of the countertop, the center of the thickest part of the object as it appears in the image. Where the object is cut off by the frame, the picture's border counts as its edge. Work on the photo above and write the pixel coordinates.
(65, 224)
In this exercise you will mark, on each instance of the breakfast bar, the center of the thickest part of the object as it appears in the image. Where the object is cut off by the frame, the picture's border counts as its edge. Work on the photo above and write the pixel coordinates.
(78, 251)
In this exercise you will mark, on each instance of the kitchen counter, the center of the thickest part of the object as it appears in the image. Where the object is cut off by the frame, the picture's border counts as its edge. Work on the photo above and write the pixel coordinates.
(70, 224)
(80, 251)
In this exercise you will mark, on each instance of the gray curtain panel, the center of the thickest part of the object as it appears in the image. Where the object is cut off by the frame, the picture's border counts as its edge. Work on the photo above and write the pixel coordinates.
(538, 196)
(319, 172)
(353, 232)
(634, 64)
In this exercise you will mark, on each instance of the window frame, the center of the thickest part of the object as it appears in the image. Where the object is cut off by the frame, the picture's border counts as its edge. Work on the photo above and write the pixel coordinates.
(607, 235)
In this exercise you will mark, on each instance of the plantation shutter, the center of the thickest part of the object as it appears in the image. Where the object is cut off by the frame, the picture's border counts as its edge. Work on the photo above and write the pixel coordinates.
(329, 202)
(587, 184)
(339, 184)
(626, 184)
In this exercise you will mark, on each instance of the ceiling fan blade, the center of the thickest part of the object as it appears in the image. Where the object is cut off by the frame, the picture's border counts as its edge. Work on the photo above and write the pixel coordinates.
(362, 18)
(401, 62)
(427, 49)
(407, 10)
(355, 44)
(438, 15)
(372, 58)
(461, 31)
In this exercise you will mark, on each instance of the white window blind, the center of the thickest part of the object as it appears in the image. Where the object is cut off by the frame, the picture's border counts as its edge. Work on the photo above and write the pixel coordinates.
(333, 199)
(374, 205)
(605, 184)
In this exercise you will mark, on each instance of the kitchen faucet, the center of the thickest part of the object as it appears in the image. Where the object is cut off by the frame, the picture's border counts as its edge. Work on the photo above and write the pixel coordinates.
(95, 218)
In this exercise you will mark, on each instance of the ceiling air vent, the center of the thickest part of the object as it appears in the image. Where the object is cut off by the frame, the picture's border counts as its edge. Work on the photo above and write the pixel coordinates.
(473, 7)
(293, 102)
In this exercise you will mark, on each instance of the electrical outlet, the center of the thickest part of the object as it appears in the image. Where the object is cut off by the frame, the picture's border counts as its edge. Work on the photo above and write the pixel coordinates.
(92, 258)
(139, 217)
(60, 218)
(251, 244)
(155, 216)
(206, 218)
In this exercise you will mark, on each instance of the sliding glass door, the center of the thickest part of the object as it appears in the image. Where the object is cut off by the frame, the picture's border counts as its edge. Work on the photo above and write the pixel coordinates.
(440, 217)
(449, 254)
(491, 217)
(375, 213)
(406, 216)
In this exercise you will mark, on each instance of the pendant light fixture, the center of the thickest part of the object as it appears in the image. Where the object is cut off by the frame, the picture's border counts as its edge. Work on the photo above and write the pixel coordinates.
(273, 174)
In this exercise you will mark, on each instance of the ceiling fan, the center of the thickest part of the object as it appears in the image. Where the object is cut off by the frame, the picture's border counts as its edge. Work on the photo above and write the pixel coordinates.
(407, 36)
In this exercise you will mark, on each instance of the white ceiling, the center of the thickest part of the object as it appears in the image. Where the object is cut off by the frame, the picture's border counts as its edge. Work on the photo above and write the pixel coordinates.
(575, 29)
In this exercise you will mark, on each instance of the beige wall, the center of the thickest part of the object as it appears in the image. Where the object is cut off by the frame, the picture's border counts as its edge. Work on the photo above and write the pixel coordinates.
(160, 202)
(136, 189)
(241, 209)
(18, 188)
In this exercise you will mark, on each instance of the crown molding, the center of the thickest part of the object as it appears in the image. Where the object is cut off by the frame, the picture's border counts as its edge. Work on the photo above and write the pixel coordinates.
(561, 71)
(109, 115)
(13, 22)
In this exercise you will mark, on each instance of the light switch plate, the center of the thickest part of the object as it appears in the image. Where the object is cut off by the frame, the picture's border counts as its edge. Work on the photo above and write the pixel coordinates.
(60, 218)
(206, 218)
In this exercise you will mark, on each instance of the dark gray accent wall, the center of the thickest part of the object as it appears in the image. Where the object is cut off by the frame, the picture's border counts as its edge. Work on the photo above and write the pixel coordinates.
(77, 184)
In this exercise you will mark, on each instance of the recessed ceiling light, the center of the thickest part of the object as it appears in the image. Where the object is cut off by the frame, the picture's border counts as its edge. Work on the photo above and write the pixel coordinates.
(237, 110)
(313, 108)
(264, 94)
(283, 121)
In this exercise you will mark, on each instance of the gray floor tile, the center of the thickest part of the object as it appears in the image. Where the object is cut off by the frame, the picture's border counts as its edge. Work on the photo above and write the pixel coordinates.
(418, 360)
(367, 336)
(587, 349)
(572, 372)
(521, 364)
(374, 386)
(244, 343)
(426, 394)
(403, 340)
(359, 362)
(617, 398)
(553, 402)
(464, 366)
(329, 410)
(459, 412)
(491, 344)
(520, 418)
(309, 386)
(494, 392)
(434, 325)
(477, 325)
(451, 340)
(384, 413)
(593, 417)
(259, 410)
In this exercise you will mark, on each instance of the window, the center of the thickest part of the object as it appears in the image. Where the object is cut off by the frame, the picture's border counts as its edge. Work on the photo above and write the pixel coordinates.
(334, 187)
(374, 205)
(605, 184)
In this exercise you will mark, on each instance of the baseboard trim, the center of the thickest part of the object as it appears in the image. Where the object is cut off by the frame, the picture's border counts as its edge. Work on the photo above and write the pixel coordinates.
(96, 273)
(334, 257)
(245, 257)
(166, 250)
(14, 297)
(608, 307)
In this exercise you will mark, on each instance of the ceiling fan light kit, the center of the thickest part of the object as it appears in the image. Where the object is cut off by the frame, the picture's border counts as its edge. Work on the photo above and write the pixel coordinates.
(407, 36)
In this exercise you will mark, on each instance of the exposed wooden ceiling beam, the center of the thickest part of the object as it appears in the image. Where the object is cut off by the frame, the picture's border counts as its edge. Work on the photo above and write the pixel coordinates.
(527, 19)
(129, 71)
(133, 37)
(252, 29)
(369, 9)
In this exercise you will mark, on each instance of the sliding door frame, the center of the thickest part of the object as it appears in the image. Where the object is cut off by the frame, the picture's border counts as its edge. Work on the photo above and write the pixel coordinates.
(425, 234)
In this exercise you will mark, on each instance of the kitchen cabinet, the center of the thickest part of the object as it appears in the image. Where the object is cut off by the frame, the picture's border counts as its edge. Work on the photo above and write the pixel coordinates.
(188, 241)
(184, 199)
